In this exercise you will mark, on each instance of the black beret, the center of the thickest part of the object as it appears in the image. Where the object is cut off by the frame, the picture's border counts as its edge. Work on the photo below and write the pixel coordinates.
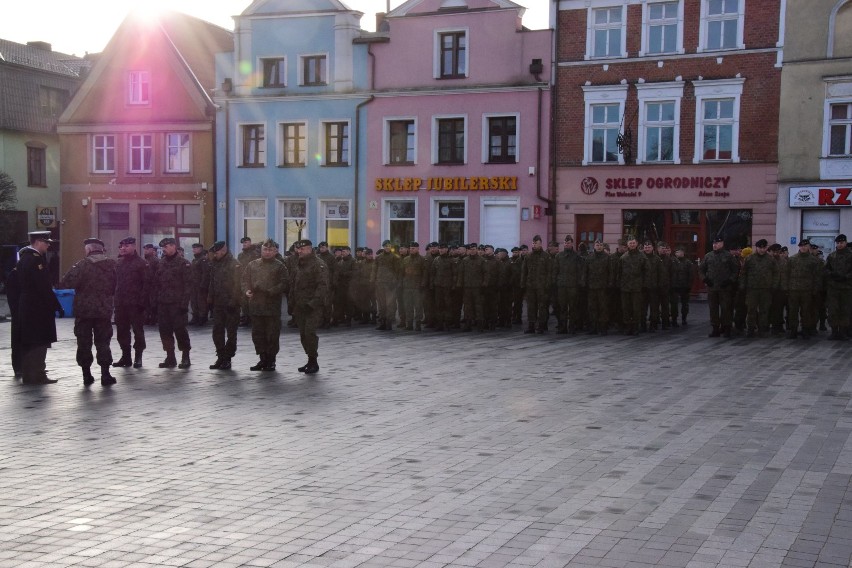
(841, 238)
(804, 243)
(368, 250)
(762, 243)
(197, 246)
(471, 246)
(94, 241)
(719, 240)
(269, 243)
(553, 244)
(385, 243)
(775, 247)
(537, 238)
(217, 246)
(413, 244)
(168, 241)
(569, 239)
(516, 249)
(128, 241)
(525, 247)
(245, 240)
(323, 244)
(442, 245)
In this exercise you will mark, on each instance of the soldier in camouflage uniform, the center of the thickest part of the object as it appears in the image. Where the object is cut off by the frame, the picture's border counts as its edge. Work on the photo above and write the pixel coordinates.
(443, 280)
(517, 261)
(597, 267)
(149, 251)
(504, 289)
(683, 273)
(173, 285)
(264, 282)
(414, 280)
(131, 293)
(568, 276)
(779, 295)
(802, 280)
(248, 253)
(225, 296)
(386, 272)
(331, 262)
(650, 295)
(719, 269)
(759, 280)
(631, 280)
(536, 280)
(308, 292)
(838, 269)
(343, 299)
(490, 281)
(470, 277)
(664, 288)
(200, 284)
(93, 281)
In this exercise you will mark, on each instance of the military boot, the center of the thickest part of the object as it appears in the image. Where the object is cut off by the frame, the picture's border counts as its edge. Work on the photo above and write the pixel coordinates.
(225, 365)
(137, 362)
(170, 362)
(312, 366)
(304, 367)
(125, 360)
(260, 364)
(269, 364)
(184, 360)
(217, 364)
(106, 378)
(88, 379)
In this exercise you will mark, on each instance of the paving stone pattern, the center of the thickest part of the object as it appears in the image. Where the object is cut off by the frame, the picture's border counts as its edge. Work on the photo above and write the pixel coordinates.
(426, 449)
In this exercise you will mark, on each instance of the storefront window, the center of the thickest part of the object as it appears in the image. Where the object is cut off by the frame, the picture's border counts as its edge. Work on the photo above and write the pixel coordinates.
(252, 221)
(400, 217)
(451, 221)
(643, 225)
(336, 220)
(294, 222)
(113, 224)
(733, 225)
(183, 222)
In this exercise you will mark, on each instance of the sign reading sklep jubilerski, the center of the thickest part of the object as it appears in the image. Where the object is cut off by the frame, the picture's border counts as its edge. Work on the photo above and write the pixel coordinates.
(817, 196)
(502, 183)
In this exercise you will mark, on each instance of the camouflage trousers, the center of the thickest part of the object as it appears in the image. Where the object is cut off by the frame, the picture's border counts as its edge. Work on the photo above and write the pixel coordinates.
(266, 334)
(129, 318)
(800, 306)
(758, 303)
(171, 319)
(226, 320)
(97, 331)
(307, 320)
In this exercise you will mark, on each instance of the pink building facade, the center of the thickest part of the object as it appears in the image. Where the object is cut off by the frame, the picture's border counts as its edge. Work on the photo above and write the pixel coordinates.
(458, 130)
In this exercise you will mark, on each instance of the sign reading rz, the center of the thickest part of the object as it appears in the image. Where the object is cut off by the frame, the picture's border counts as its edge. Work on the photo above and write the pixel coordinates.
(836, 196)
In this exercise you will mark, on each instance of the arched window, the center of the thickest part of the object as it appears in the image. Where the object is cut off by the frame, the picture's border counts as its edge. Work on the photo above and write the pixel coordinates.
(840, 30)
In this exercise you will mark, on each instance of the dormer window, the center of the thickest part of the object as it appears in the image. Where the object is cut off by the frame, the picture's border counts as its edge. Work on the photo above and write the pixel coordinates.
(139, 88)
(451, 54)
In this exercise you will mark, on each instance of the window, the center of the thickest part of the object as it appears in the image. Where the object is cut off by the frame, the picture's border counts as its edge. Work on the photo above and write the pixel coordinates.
(294, 221)
(139, 88)
(662, 29)
(177, 153)
(659, 122)
(113, 223)
(450, 218)
(606, 33)
(400, 142)
(52, 101)
(183, 222)
(293, 148)
(103, 153)
(721, 24)
(450, 138)
(141, 151)
(274, 71)
(36, 164)
(336, 222)
(400, 216)
(314, 70)
(253, 146)
(840, 129)
(603, 113)
(502, 139)
(251, 219)
(717, 124)
(336, 143)
(452, 54)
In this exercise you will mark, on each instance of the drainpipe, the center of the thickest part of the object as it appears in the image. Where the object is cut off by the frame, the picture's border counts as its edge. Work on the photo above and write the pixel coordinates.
(355, 208)
(227, 173)
(553, 98)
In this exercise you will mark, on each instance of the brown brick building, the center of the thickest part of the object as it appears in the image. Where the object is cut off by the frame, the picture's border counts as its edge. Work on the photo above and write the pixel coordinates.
(666, 120)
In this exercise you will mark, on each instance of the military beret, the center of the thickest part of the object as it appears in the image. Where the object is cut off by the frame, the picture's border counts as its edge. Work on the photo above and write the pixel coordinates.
(269, 243)
(385, 242)
(516, 249)
(804, 243)
(180, 249)
(525, 247)
(471, 246)
(569, 239)
(167, 241)
(245, 240)
(784, 249)
(368, 250)
(323, 244)
(94, 241)
(482, 247)
(814, 246)
(662, 244)
(719, 240)
(197, 246)
(413, 244)
(841, 238)
(128, 241)
(774, 247)
(762, 243)
(217, 246)
(40, 236)
(648, 243)
(442, 245)
(359, 249)
(553, 244)
(537, 238)
(346, 248)
(403, 245)
(433, 244)
(149, 246)
(681, 248)
(304, 243)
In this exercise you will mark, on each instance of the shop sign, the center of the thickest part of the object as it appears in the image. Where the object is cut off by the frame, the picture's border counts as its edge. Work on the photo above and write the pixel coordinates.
(708, 186)
(501, 183)
(815, 196)
(46, 217)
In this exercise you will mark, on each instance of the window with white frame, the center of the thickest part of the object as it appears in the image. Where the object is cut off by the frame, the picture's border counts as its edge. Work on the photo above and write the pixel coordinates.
(606, 32)
(840, 129)
(721, 25)
(500, 139)
(103, 153)
(336, 143)
(717, 120)
(138, 87)
(400, 220)
(141, 149)
(251, 219)
(335, 220)
(314, 70)
(662, 28)
(294, 145)
(450, 219)
(451, 53)
(274, 72)
(252, 145)
(177, 152)
(294, 221)
(604, 108)
(400, 136)
(449, 140)
(659, 122)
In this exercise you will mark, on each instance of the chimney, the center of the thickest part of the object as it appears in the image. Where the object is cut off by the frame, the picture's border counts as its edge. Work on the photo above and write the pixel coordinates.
(381, 24)
(43, 45)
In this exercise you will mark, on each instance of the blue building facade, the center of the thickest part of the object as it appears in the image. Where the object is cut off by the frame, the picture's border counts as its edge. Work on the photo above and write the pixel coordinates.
(291, 114)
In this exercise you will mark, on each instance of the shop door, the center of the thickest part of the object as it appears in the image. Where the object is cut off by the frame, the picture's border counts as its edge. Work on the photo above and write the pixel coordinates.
(684, 230)
(501, 224)
(589, 228)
